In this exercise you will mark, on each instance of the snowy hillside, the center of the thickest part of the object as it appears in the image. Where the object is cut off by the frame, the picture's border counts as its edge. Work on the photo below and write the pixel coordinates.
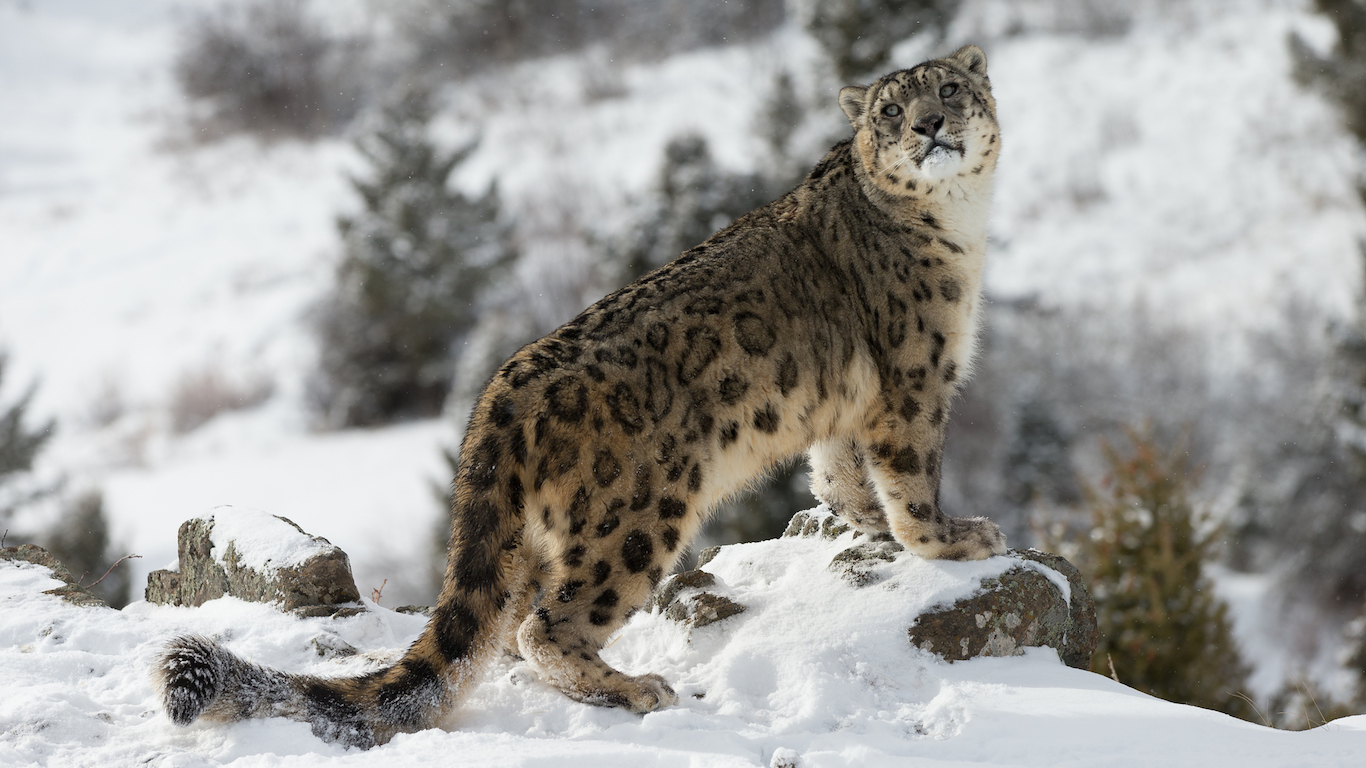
(814, 673)
(1180, 169)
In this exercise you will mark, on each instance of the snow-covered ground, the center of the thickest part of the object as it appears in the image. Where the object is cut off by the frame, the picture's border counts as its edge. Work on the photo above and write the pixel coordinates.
(814, 673)
(1178, 167)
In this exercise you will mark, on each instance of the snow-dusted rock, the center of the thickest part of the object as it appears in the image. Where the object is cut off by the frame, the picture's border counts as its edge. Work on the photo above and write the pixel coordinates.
(682, 597)
(1040, 601)
(1021, 607)
(258, 557)
(72, 591)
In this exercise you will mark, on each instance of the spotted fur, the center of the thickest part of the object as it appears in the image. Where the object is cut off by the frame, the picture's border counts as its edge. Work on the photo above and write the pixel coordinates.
(838, 320)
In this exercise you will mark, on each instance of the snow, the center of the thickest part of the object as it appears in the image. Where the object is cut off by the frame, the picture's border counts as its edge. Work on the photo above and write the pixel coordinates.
(261, 541)
(814, 668)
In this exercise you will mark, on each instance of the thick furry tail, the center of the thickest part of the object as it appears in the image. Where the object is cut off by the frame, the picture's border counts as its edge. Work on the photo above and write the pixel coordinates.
(199, 678)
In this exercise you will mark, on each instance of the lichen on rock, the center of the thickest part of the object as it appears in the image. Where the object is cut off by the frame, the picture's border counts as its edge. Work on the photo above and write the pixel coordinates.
(857, 564)
(1020, 608)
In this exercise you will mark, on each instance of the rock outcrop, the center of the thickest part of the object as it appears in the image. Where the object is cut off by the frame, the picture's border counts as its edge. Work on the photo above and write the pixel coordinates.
(258, 557)
(73, 592)
(1020, 608)
(1042, 601)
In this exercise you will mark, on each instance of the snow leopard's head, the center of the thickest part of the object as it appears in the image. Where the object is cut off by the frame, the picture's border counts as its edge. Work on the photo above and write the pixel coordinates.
(935, 121)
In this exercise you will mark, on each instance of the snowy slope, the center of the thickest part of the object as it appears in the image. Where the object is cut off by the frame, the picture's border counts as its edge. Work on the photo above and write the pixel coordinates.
(815, 672)
(1181, 169)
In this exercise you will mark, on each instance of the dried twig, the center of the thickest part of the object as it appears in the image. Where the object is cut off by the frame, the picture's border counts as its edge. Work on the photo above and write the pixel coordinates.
(111, 568)
(1254, 706)
(1322, 720)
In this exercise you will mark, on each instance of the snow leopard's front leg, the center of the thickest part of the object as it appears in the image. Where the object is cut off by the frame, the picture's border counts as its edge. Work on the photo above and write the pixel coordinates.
(904, 453)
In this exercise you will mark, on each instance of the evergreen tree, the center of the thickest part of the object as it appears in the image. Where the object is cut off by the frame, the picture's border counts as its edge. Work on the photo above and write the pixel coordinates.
(780, 115)
(693, 199)
(1161, 625)
(19, 446)
(1323, 530)
(858, 35)
(416, 261)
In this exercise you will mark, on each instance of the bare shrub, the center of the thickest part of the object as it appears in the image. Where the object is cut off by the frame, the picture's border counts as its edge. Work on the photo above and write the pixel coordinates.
(108, 405)
(1087, 18)
(266, 67)
(200, 395)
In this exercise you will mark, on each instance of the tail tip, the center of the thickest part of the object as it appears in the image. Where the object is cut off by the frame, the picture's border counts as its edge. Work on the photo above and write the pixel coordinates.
(190, 674)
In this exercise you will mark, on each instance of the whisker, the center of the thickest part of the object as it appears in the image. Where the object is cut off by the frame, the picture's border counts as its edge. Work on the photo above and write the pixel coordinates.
(897, 164)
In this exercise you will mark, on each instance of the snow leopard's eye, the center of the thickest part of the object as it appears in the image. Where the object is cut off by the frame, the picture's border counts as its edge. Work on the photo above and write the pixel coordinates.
(947, 90)
(891, 110)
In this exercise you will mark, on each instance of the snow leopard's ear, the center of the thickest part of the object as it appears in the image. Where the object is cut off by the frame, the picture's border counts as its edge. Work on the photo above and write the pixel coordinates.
(971, 58)
(851, 101)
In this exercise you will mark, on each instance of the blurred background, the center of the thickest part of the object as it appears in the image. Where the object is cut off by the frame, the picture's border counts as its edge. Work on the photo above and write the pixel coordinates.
(266, 252)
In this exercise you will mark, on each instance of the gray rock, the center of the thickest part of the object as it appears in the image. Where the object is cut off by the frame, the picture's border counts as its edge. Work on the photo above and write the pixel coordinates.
(1020, 608)
(330, 646)
(707, 555)
(856, 564)
(702, 609)
(681, 599)
(316, 582)
(73, 592)
(815, 523)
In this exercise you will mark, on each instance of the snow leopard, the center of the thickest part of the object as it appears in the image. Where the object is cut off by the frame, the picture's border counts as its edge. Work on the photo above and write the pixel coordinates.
(839, 320)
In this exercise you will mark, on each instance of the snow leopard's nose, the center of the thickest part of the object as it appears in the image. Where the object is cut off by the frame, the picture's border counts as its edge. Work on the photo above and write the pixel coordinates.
(928, 125)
